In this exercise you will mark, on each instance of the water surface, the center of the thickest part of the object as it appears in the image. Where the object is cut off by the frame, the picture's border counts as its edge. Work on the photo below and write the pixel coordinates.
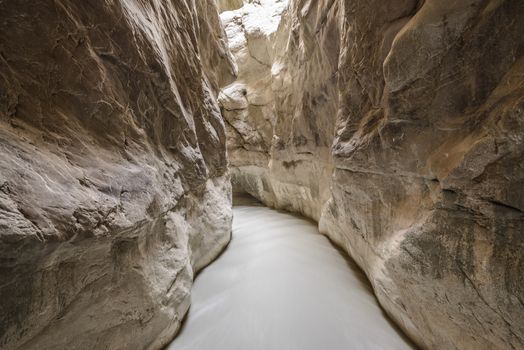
(280, 285)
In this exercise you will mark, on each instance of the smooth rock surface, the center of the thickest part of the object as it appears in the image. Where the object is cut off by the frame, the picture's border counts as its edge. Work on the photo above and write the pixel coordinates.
(282, 285)
(114, 185)
(398, 125)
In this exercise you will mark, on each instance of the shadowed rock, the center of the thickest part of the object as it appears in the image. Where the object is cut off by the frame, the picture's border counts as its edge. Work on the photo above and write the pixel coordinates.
(114, 186)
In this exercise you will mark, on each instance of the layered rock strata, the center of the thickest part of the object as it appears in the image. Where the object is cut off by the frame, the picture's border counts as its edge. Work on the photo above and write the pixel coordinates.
(398, 125)
(114, 186)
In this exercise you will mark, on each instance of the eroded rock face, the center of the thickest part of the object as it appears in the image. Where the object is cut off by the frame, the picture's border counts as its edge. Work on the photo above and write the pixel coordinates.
(426, 161)
(228, 5)
(247, 104)
(280, 111)
(114, 186)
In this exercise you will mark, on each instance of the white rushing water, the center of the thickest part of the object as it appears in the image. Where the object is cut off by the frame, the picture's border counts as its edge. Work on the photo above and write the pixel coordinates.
(280, 285)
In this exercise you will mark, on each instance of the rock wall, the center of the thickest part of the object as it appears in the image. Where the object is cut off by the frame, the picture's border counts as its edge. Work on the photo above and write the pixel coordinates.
(114, 186)
(280, 111)
(398, 125)
(228, 5)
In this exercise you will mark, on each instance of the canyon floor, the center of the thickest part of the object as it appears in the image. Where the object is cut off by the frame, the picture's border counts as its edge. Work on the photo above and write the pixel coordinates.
(282, 285)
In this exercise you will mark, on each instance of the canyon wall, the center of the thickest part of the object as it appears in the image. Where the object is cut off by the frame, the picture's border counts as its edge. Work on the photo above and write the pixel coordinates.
(228, 5)
(280, 111)
(398, 125)
(114, 186)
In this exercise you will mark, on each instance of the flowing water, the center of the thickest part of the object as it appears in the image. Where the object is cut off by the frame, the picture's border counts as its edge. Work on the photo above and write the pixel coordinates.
(280, 285)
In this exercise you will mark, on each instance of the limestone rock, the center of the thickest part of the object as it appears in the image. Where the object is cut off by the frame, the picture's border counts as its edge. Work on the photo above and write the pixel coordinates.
(412, 161)
(114, 186)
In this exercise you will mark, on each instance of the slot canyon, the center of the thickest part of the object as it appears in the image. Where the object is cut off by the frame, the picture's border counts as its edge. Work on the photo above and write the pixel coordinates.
(261, 174)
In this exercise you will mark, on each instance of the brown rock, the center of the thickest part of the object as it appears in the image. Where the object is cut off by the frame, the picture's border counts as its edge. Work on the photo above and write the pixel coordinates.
(427, 150)
(114, 186)
(279, 142)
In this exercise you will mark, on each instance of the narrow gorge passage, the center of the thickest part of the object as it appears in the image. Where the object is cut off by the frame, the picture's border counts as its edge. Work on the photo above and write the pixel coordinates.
(282, 285)
(395, 126)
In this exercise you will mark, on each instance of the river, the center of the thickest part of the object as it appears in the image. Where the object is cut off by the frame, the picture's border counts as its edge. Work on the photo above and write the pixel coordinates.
(281, 285)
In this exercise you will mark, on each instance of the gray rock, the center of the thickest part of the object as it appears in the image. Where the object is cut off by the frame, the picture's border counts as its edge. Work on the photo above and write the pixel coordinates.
(398, 125)
(114, 186)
